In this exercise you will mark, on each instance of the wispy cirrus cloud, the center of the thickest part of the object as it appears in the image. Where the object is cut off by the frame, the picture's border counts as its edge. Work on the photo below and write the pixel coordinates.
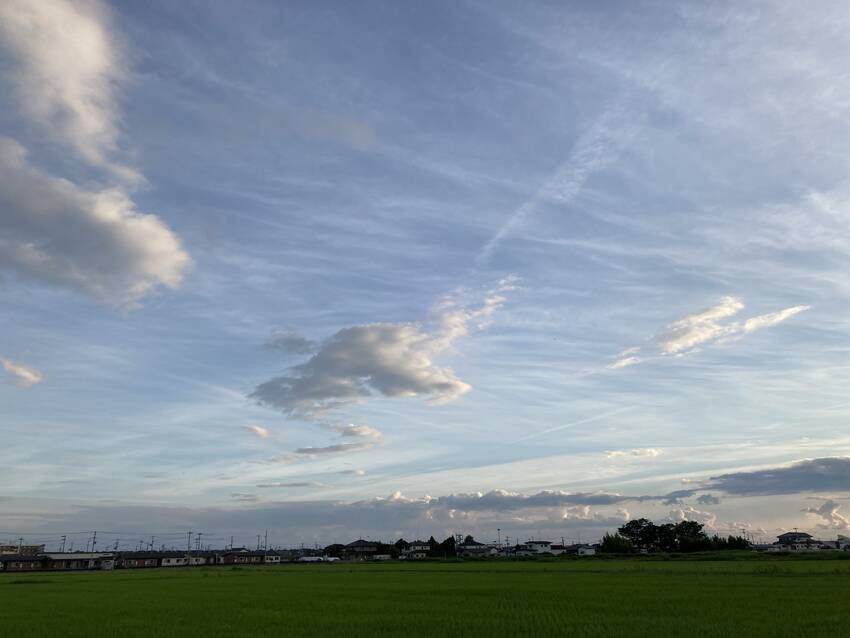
(291, 484)
(337, 448)
(360, 431)
(356, 472)
(23, 376)
(641, 452)
(257, 430)
(290, 342)
(705, 327)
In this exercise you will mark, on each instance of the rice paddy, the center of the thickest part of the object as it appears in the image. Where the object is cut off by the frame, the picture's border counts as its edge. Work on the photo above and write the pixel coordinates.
(779, 597)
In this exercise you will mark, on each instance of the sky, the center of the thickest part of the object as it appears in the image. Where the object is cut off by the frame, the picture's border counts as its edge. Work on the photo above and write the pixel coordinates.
(381, 269)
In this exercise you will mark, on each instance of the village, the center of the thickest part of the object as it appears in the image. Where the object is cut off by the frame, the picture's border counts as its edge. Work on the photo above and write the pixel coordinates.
(26, 558)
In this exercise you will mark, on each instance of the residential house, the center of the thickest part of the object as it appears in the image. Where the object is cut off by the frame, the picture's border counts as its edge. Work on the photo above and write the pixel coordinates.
(79, 560)
(417, 550)
(360, 550)
(473, 549)
(21, 563)
(137, 560)
(173, 559)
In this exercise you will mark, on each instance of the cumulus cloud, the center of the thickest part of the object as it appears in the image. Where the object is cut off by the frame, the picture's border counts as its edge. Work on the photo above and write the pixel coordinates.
(22, 375)
(828, 513)
(551, 514)
(257, 430)
(692, 331)
(708, 499)
(68, 67)
(387, 359)
(812, 475)
(642, 452)
(65, 69)
(93, 241)
(691, 514)
(290, 342)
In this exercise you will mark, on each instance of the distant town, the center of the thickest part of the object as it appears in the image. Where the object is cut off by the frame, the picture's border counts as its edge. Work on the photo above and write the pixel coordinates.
(636, 537)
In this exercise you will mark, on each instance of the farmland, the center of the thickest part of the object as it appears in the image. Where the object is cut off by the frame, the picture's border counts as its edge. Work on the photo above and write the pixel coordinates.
(779, 597)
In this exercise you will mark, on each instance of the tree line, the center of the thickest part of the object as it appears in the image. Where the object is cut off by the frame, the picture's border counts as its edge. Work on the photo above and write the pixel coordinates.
(642, 535)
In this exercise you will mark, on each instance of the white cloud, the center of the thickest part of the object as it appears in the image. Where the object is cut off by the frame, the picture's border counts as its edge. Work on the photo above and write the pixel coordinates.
(364, 431)
(68, 69)
(389, 359)
(828, 513)
(691, 514)
(642, 452)
(93, 241)
(257, 430)
(357, 472)
(23, 376)
(685, 335)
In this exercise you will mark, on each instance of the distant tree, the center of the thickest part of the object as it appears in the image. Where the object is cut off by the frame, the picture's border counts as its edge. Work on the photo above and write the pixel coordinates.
(401, 544)
(334, 550)
(728, 543)
(684, 536)
(665, 537)
(690, 537)
(615, 544)
(433, 547)
(640, 532)
(468, 539)
(447, 548)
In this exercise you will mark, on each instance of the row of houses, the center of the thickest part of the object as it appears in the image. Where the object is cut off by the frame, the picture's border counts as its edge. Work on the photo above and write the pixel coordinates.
(65, 561)
(359, 550)
(474, 549)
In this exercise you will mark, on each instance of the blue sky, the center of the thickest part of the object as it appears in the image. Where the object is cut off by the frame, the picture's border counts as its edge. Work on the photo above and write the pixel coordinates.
(384, 269)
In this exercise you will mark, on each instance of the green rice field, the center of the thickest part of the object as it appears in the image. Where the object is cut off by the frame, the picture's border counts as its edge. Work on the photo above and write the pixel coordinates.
(778, 597)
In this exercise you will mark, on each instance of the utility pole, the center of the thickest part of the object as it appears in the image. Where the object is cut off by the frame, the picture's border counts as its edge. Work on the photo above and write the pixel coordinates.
(93, 541)
(198, 541)
(115, 545)
(499, 532)
(258, 542)
(152, 540)
(20, 545)
(231, 542)
(188, 545)
(62, 551)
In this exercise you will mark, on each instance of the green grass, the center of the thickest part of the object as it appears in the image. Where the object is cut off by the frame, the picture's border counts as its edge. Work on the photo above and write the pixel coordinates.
(781, 597)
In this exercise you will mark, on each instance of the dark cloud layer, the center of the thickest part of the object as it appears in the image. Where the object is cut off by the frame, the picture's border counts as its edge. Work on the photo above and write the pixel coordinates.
(813, 475)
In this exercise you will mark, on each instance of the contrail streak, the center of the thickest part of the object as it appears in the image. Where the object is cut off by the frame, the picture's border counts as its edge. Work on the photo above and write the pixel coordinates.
(596, 148)
(573, 424)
